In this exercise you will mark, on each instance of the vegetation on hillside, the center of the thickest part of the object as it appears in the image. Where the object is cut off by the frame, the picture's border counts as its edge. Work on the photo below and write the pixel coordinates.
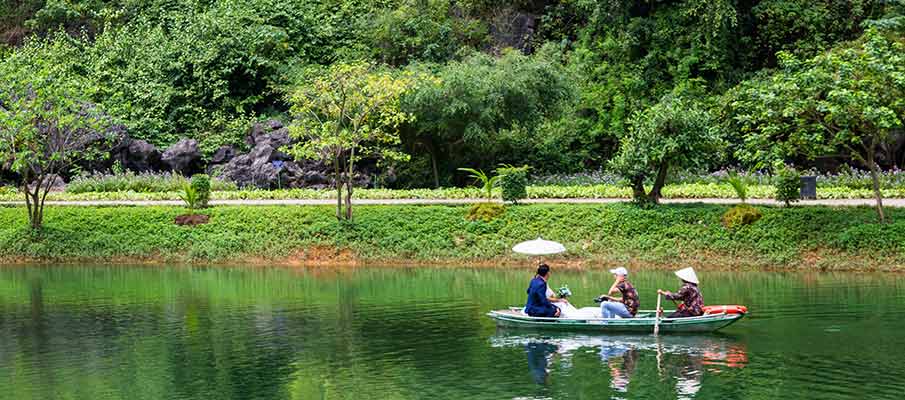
(647, 88)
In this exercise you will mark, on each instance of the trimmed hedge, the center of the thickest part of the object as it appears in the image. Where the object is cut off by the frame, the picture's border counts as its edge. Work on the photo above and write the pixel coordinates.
(690, 191)
(666, 235)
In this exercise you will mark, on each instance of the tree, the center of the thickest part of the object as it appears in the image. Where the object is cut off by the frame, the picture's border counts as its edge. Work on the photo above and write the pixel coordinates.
(348, 113)
(849, 100)
(674, 133)
(46, 126)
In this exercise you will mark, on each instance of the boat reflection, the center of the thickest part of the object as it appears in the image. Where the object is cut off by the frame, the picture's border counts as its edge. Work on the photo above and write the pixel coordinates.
(682, 361)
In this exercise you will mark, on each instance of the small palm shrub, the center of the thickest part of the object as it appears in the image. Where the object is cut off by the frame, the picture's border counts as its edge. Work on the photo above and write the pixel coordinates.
(190, 197)
(740, 215)
(740, 187)
(487, 182)
(788, 185)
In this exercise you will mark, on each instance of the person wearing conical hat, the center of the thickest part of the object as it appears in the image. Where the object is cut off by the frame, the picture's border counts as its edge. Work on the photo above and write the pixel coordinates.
(692, 301)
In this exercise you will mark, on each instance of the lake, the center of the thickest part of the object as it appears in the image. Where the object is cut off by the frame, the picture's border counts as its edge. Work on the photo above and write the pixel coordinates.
(421, 333)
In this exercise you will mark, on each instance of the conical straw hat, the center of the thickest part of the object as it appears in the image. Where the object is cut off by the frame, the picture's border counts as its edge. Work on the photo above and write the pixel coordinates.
(687, 275)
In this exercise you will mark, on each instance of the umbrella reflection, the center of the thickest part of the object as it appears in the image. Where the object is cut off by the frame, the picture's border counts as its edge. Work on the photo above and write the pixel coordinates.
(682, 360)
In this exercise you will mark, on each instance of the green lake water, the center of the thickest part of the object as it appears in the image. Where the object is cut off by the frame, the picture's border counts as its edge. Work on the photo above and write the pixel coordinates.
(390, 333)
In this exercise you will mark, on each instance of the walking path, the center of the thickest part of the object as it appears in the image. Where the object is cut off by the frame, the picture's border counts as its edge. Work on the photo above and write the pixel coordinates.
(295, 202)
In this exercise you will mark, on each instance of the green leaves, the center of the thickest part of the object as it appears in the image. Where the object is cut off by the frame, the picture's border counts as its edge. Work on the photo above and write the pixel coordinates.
(487, 182)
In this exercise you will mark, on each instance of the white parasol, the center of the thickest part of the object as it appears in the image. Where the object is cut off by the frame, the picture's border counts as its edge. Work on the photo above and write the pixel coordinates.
(539, 247)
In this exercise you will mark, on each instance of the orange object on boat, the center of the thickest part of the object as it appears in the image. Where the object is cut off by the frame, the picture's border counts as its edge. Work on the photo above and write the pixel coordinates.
(725, 310)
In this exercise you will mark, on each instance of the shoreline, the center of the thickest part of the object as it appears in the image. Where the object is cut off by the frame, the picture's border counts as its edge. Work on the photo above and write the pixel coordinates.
(348, 261)
(597, 236)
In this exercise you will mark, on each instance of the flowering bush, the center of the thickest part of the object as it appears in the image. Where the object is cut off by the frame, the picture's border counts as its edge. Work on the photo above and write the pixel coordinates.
(146, 182)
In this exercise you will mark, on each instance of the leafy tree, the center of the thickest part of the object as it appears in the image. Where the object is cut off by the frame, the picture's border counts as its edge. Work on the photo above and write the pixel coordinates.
(484, 111)
(348, 113)
(674, 133)
(848, 100)
(46, 125)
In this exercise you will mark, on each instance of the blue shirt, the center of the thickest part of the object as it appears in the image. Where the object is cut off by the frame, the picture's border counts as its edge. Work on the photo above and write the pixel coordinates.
(538, 303)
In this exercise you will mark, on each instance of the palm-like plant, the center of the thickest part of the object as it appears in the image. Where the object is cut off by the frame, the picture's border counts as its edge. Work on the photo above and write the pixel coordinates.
(739, 185)
(191, 197)
(487, 181)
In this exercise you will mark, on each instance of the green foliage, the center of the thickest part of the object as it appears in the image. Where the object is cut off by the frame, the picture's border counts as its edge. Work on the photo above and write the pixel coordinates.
(349, 112)
(419, 30)
(487, 182)
(9, 191)
(675, 133)
(788, 185)
(137, 182)
(668, 234)
(741, 215)
(486, 212)
(201, 184)
(601, 191)
(739, 185)
(849, 100)
(46, 124)
(807, 27)
(485, 111)
(513, 182)
(191, 197)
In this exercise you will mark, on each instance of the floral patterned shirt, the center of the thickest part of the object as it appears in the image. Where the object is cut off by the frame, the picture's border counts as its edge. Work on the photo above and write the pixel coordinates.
(692, 299)
(629, 296)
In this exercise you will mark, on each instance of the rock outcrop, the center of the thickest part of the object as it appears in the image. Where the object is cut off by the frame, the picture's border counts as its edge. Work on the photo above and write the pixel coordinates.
(183, 157)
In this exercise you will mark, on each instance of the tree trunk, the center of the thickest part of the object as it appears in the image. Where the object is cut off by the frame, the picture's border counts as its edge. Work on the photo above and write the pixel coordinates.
(638, 192)
(875, 177)
(349, 198)
(655, 194)
(434, 166)
(349, 183)
(338, 182)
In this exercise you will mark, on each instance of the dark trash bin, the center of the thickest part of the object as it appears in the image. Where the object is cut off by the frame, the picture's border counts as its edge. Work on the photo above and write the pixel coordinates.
(809, 187)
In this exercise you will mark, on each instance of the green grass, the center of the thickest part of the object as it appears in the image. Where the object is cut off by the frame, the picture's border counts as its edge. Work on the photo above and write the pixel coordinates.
(808, 237)
(685, 190)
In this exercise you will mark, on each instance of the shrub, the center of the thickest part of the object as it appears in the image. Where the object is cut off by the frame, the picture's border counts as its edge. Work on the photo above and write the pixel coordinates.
(201, 183)
(190, 197)
(485, 212)
(145, 182)
(788, 185)
(487, 182)
(739, 186)
(741, 215)
(513, 182)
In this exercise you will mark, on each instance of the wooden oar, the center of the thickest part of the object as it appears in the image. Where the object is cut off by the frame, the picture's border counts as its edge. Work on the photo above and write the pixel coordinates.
(657, 315)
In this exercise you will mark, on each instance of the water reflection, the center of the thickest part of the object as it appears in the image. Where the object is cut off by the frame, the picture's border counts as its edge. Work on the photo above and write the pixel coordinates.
(539, 356)
(681, 361)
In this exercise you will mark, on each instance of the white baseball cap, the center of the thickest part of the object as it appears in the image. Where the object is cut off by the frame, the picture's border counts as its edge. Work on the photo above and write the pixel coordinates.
(619, 271)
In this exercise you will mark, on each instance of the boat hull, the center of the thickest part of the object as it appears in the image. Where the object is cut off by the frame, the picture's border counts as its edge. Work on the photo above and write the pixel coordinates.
(643, 324)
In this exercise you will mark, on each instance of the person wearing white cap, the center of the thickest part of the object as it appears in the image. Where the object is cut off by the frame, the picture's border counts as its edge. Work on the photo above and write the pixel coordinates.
(691, 297)
(625, 307)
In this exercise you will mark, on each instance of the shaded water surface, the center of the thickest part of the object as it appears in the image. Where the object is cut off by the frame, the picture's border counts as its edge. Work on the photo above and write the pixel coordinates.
(223, 333)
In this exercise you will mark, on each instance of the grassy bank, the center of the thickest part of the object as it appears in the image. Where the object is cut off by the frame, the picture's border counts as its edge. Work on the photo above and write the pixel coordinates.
(596, 235)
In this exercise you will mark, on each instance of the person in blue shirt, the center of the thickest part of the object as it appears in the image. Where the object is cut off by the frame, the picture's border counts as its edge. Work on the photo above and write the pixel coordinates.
(538, 304)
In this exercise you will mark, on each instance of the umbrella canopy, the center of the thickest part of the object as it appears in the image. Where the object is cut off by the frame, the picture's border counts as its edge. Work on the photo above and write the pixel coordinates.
(539, 247)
